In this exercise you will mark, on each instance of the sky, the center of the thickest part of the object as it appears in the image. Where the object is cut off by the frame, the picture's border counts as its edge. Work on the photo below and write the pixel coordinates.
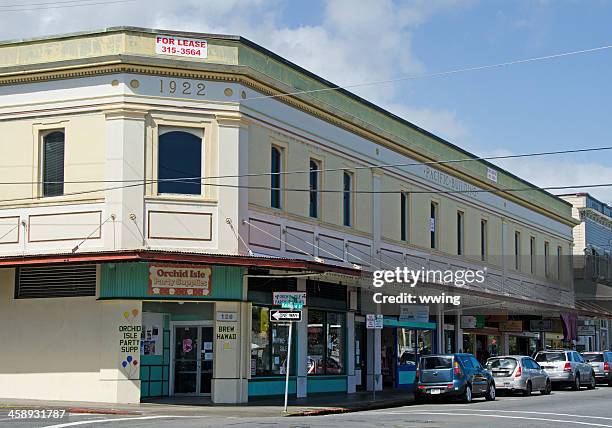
(557, 104)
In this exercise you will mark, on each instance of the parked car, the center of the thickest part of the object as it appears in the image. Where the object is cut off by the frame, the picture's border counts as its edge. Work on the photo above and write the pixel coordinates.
(566, 368)
(453, 375)
(602, 365)
(519, 373)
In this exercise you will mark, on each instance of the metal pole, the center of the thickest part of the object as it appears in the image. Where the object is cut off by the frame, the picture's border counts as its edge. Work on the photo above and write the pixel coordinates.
(288, 366)
(373, 365)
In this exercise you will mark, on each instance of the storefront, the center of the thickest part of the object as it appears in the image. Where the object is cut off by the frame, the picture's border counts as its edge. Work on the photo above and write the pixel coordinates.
(402, 344)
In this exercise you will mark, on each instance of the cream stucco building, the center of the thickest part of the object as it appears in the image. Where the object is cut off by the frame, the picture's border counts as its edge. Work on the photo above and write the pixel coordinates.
(155, 190)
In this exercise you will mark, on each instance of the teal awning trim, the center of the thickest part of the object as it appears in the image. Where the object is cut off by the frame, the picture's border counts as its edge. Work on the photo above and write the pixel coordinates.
(391, 322)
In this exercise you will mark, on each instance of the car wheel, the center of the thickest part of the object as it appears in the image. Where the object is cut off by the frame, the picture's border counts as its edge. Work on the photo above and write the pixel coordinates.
(592, 383)
(547, 390)
(576, 385)
(490, 395)
(467, 394)
(528, 389)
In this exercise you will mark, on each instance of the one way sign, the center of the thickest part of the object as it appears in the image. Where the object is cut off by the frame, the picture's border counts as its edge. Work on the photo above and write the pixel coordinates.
(277, 315)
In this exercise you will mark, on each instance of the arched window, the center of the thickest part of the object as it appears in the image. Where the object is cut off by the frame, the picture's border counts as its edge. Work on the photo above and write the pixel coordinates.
(314, 187)
(275, 178)
(179, 167)
(53, 164)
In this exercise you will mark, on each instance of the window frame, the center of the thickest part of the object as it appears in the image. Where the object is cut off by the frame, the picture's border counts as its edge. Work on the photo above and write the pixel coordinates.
(460, 232)
(325, 328)
(517, 250)
(433, 221)
(314, 191)
(270, 344)
(532, 254)
(43, 135)
(484, 236)
(404, 216)
(198, 132)
(276, 193)
(546, 259)
(347, 199)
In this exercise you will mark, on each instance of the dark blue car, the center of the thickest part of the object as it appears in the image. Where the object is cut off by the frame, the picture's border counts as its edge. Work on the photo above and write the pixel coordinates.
(453, 375)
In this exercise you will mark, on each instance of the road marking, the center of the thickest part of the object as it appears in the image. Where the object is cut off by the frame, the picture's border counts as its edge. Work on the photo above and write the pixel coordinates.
(545, 413)
(503, 417)
(101, 421)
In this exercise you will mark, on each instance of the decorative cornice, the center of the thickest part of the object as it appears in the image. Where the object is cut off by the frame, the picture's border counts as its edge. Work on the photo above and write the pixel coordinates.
(596, 216)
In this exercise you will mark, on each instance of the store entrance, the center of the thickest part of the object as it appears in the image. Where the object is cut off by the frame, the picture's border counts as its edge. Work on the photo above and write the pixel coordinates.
(192, 359)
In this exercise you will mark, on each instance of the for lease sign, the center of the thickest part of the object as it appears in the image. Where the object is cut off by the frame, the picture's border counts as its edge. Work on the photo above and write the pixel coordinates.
(180, 46)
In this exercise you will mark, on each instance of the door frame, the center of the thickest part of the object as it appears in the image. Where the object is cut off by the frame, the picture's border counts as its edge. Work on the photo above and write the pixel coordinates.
(173, 325)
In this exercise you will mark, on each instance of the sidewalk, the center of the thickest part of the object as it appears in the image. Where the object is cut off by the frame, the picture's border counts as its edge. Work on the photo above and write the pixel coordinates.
(320, 404)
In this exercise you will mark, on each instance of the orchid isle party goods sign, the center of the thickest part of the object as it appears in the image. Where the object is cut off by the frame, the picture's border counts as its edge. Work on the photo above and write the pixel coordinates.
(180, 280)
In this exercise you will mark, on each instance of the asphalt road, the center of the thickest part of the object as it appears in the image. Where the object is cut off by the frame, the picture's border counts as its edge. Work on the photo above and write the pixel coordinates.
(567, 408)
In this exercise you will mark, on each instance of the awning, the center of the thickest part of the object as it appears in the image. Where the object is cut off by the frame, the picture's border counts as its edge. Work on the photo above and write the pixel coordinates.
(593, 309)
(174, 257)
(392, 322)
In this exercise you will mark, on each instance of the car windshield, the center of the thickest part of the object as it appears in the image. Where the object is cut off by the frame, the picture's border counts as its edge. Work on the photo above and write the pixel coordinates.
(550, 357)
(595, 358)
(432, 363)
(501, 363)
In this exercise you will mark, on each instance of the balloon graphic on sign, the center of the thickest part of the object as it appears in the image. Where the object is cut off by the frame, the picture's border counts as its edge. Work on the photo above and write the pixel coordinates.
(124, 364)
(129, 359)
(134, 312)
(135, 362)
(126, 314)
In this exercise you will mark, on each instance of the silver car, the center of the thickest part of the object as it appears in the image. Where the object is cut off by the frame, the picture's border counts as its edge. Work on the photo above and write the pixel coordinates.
(519, 373)
(602, 365)
(567, 368)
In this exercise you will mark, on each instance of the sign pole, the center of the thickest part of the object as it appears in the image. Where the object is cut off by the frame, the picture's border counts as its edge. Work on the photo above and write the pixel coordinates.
(373, 365)
(288, 366)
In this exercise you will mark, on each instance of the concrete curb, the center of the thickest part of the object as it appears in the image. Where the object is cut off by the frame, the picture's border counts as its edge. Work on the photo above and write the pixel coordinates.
(102, 411)
(359, 408)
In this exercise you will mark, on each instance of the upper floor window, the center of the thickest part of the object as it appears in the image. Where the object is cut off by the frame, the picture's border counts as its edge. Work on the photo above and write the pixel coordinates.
(53, 164)
(347, 198)
(275, 177)
(483, 240)
(179, 163)
(532, 256)
(315, 182)
(559, 263)
(404, 216)
(546, 261)
(460, 239)
(433, 220)
(517, 250)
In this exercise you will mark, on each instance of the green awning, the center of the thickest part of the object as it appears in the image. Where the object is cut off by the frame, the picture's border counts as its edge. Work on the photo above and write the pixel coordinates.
(392, 322)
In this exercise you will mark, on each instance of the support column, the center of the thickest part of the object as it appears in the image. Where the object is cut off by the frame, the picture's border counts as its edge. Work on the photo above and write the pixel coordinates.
(125, 154)
(458, 333)
(301, 354)
(374, 362)
(440, 328)
(350, 352)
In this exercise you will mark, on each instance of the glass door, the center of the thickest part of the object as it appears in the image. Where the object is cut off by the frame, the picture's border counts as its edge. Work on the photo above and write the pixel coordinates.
(186, 359)
(193, 360)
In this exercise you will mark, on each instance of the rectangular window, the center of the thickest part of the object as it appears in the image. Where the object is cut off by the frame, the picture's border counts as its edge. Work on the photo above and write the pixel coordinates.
(55, 281)
(459, 232)
(315, 182)
(403, 216)
(275, 177)
(179, 163)
(483, 240)
(269, 344)
(347, 198)
(432, 225)
(517, 250)
(559, 264)
(532, 256)
(53, 164)
(325, 343)
(546, 253)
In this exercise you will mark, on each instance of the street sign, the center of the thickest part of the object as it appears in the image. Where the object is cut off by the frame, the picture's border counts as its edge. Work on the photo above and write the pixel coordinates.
(280, 315)
(374, 321)
(289, 299)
